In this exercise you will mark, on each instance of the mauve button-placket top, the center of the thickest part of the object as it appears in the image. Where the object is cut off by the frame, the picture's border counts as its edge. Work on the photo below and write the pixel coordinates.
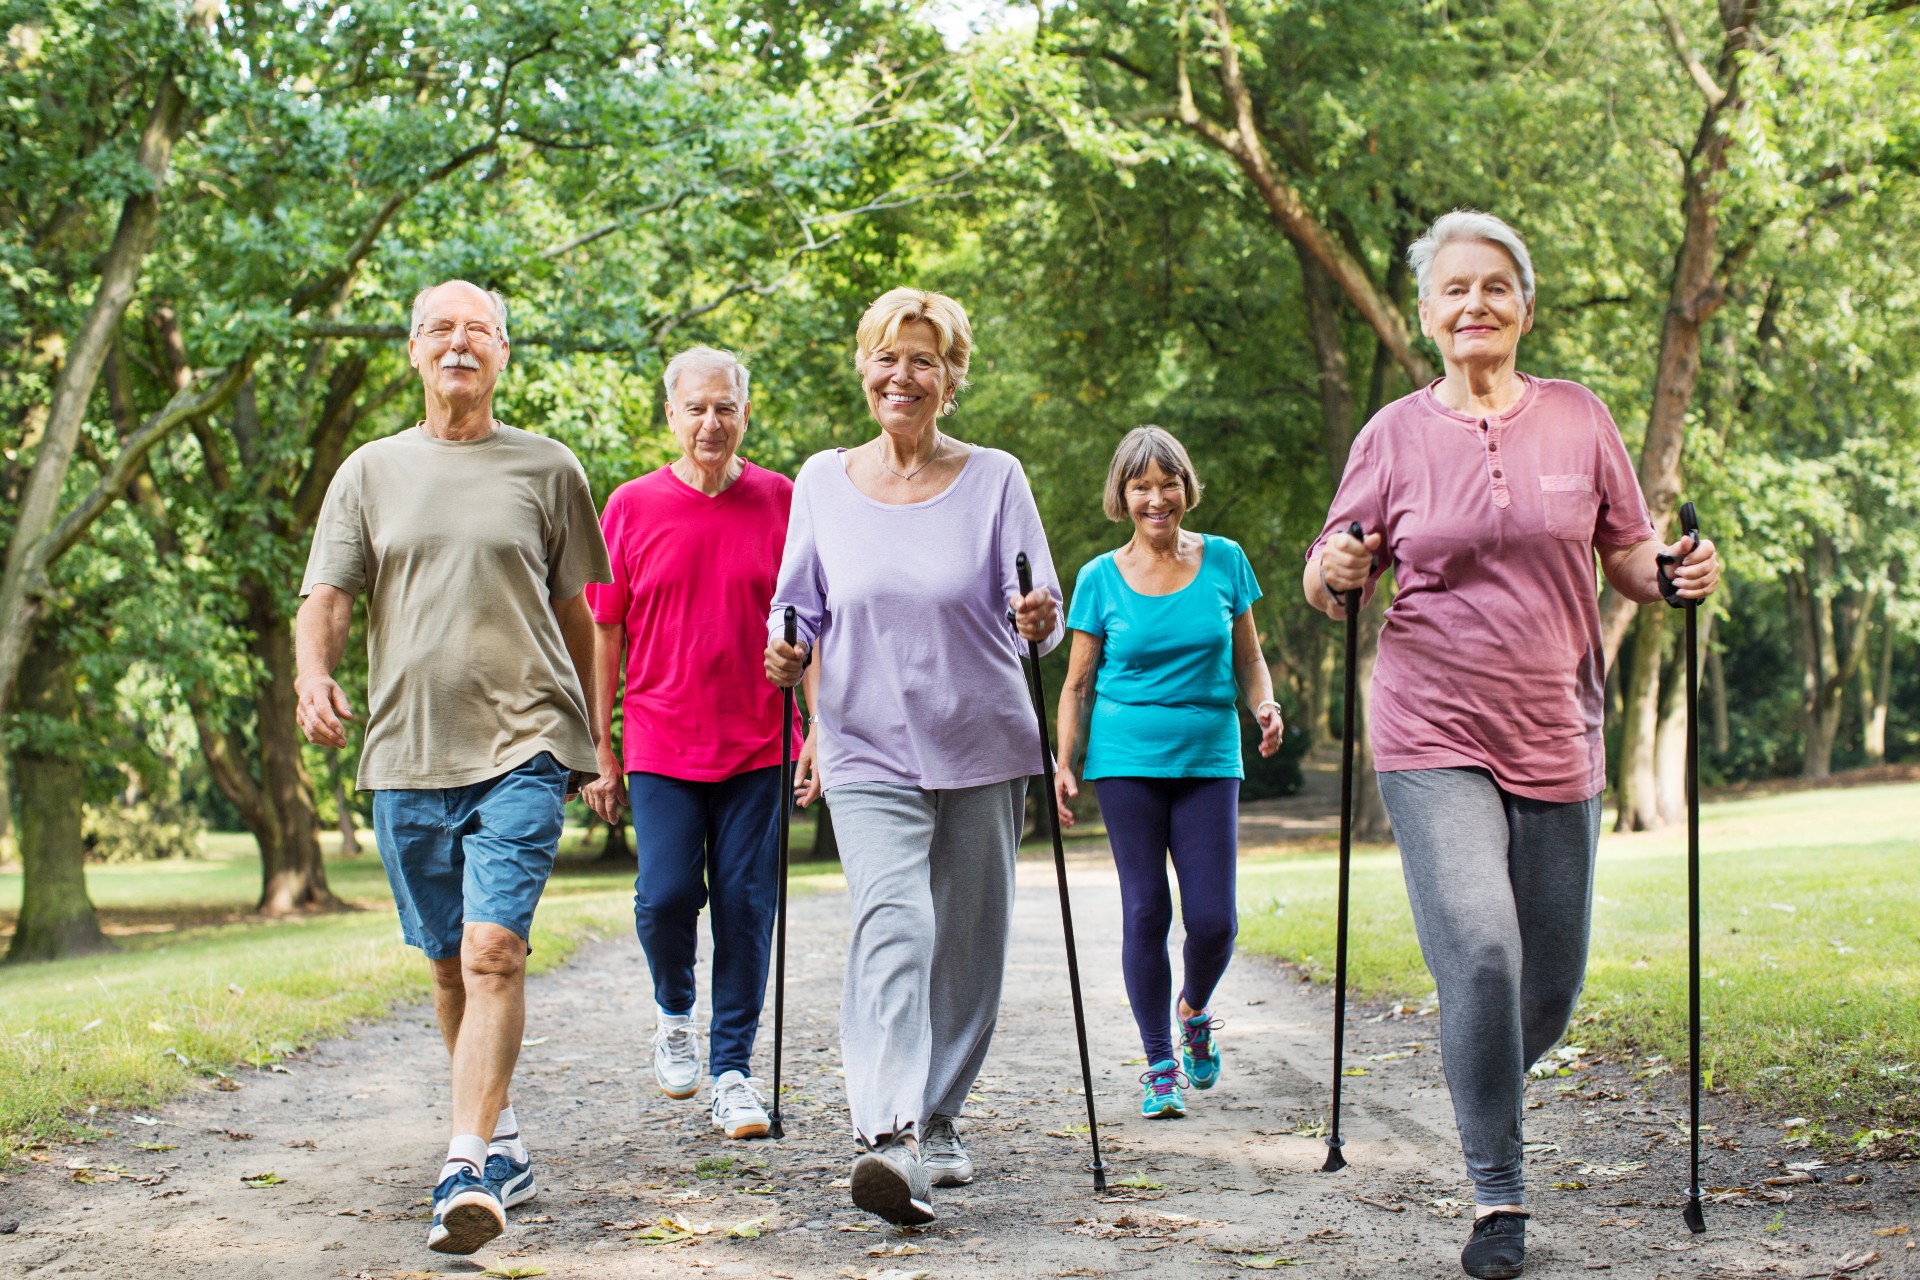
(1490, 656)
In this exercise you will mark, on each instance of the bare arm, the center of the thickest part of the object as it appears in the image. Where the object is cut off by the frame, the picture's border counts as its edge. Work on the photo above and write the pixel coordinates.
(1076, 708)
(577, 632)
(1256, 682)
(1345, 564)
(319, 638)
(607, 794)
(807, 783)
(1634, 571)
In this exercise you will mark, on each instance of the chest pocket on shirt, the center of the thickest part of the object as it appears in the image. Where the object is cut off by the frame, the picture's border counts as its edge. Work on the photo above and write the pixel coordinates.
(1571, 506)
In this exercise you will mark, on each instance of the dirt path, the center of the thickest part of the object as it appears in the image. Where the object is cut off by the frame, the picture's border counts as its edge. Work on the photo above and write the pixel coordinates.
(356, 1126)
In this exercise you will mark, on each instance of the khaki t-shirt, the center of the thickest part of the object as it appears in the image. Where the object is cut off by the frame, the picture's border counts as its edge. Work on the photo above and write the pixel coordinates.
(460, 548)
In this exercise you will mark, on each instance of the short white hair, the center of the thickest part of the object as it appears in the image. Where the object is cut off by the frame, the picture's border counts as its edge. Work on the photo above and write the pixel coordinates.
(493, 296)
(704, 359)
(1468, 224)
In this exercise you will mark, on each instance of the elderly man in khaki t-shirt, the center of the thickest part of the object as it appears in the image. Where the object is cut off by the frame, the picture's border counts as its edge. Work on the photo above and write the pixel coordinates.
(471, 542)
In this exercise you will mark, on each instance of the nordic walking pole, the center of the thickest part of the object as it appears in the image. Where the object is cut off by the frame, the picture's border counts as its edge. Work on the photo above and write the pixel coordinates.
(1099, 1167)
(1350, 604)
(1694, 1213)
(775, 1129)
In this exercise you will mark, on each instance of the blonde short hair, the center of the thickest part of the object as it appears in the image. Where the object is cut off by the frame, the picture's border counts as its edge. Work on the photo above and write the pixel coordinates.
(1139, 449)
(896, 307)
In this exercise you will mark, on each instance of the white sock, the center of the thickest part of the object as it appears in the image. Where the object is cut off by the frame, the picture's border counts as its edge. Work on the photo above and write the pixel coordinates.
(674, 1019)
(506, 1135)
(466, 1151)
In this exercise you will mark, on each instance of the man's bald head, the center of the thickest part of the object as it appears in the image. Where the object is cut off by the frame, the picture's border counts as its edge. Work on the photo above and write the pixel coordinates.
(468, 291)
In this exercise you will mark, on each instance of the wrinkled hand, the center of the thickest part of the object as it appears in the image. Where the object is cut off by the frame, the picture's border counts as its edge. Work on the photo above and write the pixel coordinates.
(806, 770)
(1698, 571)
(785, 662)
(1346, 562)
(1034, 614)
(1066, 788)
(1272, 725)
(321, 707)
(606, 795)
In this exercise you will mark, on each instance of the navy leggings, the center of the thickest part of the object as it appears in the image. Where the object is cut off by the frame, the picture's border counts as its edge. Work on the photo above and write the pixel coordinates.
(1197, 821)
(701, 842)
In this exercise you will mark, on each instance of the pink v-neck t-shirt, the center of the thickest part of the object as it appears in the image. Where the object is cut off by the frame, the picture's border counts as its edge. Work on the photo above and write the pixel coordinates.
(692, 575)
(1490, 656)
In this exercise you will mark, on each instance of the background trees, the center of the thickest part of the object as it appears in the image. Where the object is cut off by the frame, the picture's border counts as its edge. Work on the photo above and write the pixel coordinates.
(212, 218)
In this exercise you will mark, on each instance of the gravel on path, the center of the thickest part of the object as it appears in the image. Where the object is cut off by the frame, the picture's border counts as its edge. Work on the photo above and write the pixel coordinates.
(636, 1185)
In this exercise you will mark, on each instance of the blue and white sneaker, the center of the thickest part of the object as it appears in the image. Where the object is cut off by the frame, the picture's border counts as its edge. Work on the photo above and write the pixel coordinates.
(510, 1179)
(1162, 1100)
(466, 1213)
(1199, 1056)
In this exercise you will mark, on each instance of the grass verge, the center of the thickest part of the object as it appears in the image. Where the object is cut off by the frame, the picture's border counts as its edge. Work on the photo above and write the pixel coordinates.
(215, 1004)
(1810, 963)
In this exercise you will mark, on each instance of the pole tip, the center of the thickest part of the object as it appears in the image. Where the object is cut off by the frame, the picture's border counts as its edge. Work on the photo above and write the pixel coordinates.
(1694, 1214)
(774, 1128)
(1335, 1161)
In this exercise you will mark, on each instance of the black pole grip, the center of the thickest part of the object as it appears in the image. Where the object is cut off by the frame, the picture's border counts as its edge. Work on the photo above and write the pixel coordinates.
(1025, 570)
(793, 626)
(1689, 528)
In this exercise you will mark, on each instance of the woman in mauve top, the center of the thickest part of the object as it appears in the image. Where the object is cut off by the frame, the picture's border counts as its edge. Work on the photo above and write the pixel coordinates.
(1163, 647)
(1489, 492)
(900, 566)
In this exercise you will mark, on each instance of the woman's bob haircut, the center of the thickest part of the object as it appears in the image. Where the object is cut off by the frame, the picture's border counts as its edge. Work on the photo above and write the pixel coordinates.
(881, 325)
(1139, 449)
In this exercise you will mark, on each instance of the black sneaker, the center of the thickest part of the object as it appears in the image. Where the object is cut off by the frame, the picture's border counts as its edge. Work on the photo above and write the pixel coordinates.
(891, 1183)
(1497, 1249)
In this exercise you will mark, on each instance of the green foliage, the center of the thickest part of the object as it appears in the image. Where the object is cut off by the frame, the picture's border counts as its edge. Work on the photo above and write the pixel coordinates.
(145, 830)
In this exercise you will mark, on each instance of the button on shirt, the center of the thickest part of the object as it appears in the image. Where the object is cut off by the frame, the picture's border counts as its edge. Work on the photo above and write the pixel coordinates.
(1490, 656)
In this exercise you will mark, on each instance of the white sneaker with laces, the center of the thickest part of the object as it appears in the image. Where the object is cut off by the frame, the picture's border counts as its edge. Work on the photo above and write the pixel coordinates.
(737, 1111)
(676, 1057)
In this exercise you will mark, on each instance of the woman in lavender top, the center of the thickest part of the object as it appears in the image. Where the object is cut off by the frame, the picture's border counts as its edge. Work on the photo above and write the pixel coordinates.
(900, 567)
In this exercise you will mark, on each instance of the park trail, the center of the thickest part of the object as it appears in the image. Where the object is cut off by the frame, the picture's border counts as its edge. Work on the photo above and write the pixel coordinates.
(636, 1185)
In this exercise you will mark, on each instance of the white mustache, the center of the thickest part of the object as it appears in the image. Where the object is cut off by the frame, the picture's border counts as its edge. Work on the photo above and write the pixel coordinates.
(459, 360)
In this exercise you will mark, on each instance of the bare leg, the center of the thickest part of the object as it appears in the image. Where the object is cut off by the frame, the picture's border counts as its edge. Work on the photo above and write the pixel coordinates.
(493, 965)
(449, 999)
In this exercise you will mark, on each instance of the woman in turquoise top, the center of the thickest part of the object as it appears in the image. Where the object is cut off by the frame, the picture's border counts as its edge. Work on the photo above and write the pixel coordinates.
(1163, 645)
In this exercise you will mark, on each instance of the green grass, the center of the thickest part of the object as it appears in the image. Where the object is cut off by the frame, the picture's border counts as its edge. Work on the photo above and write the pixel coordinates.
(197, 991)
(1808, 1011)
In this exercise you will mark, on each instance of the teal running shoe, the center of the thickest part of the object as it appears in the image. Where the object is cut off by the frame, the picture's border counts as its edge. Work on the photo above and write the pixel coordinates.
(1163, 1100)
(1199, 1055)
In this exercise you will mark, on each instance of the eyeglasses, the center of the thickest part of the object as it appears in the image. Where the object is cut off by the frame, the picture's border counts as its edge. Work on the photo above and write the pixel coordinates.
(480, 333)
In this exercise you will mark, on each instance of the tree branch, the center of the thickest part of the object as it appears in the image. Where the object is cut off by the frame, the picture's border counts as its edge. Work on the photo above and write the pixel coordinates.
(1677, 38)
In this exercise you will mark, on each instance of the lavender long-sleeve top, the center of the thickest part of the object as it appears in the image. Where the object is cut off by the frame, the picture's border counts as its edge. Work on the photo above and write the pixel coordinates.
(906, 609)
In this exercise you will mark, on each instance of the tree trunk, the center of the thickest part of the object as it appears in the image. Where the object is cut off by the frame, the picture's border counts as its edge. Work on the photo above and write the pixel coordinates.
(1873, 715)
(617, 848)
(1670, 754)
(1830, 653)
(1697, 291)
(293, 875)
(56, 915)
(1717, 697)
(343, 814)
(1639, 808)
(8, 850)
(1321, 674)
(30, 551)
(1370, 821)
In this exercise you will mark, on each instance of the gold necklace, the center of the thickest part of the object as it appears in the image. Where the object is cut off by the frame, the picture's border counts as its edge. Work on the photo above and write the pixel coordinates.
(938, 440)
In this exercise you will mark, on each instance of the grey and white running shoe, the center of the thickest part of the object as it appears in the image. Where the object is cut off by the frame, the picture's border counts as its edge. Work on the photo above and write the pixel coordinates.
(737, 1111)
(891, 1182)
(945, 1156)
(676, 1058)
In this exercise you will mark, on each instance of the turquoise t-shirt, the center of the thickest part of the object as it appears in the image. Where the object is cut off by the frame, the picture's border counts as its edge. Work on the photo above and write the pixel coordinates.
(1164, 694)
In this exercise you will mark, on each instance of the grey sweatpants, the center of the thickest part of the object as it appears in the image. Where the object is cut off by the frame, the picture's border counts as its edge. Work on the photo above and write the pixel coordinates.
(1502, 894)
(930, 879)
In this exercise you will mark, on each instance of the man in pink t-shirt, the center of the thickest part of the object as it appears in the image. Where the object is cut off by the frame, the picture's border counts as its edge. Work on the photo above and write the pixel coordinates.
(1489, 493)
(695, 548)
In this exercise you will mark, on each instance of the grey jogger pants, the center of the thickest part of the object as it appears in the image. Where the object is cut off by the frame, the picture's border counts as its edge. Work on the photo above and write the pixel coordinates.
(930, 883)
(1502, 894)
